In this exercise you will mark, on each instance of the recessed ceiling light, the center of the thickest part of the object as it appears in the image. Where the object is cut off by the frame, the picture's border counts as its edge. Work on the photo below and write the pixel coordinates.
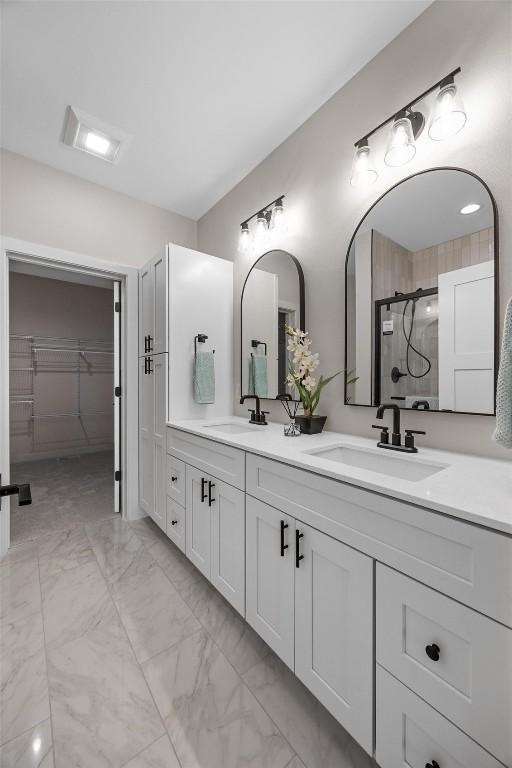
(91, 135)
(470, 208)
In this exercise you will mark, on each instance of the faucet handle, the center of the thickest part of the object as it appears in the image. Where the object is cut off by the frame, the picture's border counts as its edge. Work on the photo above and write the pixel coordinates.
(384, 432)
(414, 432)
(409, 438)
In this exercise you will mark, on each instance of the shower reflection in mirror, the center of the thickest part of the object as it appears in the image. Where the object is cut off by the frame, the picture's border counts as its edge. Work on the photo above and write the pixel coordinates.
(421, 277)
(272, 297)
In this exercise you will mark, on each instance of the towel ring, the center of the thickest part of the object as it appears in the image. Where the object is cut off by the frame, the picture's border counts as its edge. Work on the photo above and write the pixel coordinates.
(255, 343)
(201, 338)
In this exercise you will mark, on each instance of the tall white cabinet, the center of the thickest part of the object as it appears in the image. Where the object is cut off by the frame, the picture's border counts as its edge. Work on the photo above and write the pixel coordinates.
(182, 293)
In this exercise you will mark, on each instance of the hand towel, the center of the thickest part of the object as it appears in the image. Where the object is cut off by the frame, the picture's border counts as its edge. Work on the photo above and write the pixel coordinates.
(503, 432)
(258, 378)
(204, 377)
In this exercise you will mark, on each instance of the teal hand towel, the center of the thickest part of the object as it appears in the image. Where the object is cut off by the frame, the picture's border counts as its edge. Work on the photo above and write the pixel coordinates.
(204, 377)
(503, 432)
(258, 378)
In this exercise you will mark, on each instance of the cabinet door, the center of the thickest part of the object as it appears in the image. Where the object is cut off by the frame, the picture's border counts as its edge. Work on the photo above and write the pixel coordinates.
(176, 523)
(158, 376)
(159, 281)
(146, 307)
(228, 541)
(198, 521)
(334, 629)
(270, 572)
(146, 458)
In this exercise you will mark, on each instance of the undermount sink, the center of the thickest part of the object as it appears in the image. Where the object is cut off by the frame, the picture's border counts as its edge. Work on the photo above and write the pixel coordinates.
(412, 469)
(229, 428)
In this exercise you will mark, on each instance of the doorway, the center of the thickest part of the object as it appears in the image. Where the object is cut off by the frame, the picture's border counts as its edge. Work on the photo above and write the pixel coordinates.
(64, 397)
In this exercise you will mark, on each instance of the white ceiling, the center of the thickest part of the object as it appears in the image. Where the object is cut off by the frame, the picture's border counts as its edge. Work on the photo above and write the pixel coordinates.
(206, 89)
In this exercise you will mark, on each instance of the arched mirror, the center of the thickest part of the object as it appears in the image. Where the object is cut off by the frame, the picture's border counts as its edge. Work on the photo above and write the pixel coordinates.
(272, 297)
(421, 290)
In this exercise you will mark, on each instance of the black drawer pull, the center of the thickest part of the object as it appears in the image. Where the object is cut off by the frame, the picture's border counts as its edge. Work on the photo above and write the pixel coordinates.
(433, 652)
(283, 545)
(211, 486)
(174, 522)
(298, 556)
(433, 764)
(173, 479)
(150, 343)
(203, 489)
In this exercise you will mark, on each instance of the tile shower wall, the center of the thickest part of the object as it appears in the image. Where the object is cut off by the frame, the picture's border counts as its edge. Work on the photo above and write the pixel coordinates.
(312, 167)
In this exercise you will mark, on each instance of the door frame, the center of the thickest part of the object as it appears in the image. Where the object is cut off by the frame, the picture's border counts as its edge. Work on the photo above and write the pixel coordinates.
(21, 250)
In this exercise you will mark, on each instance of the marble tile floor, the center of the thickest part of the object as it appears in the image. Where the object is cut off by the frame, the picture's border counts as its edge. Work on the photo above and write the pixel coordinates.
(66, 493)
(117, 653)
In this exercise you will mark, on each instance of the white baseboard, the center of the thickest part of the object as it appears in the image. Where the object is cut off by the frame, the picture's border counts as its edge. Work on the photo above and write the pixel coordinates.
(60, 454)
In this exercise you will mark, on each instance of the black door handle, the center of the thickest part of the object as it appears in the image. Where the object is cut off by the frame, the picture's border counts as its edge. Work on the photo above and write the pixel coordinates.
(203, 491)
(23, 491)
(283, 545)
(433, 652)
(211, 486)
(298, 556)
(433, 764)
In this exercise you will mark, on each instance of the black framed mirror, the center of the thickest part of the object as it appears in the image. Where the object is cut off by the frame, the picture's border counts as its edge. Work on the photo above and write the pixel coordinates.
(421, 296)
(273, 296)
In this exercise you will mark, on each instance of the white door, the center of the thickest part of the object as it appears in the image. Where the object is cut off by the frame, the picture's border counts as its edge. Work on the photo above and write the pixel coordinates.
(158, 342)
(466, 339)
(117, 396)
(158, 376)
(146, 309)
(228, 541)
(270, 574)
(334, 629)
(198, 521)
(146, 457)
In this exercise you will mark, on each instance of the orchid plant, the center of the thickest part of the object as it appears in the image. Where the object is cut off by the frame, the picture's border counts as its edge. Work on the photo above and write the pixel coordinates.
(303, 365)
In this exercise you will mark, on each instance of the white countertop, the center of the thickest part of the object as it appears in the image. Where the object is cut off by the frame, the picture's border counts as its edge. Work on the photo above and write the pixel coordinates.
(468, 487)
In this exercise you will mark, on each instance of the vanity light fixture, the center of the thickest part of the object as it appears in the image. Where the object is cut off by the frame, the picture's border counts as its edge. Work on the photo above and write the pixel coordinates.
(470, 208)
(447, 119)
(363, 172)
(270, 225)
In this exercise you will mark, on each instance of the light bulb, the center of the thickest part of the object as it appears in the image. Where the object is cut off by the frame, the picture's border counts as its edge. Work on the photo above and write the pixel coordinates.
(363, 174)
(261, 236)
(429, 307)
(244, 241)
(401, 147)
(36, 745)
(278, 223)
(94, 142)
(449, 116)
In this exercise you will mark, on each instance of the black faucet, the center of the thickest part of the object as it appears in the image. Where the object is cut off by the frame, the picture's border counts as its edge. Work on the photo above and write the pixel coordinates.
(396, 437)
(257, 416)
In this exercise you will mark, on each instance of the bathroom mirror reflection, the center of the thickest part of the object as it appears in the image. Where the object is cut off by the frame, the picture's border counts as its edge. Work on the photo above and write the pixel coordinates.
(421, 283)
(272, 297)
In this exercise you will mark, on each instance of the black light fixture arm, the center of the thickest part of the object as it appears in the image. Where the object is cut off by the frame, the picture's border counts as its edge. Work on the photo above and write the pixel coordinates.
(264, 209)
(446, 80)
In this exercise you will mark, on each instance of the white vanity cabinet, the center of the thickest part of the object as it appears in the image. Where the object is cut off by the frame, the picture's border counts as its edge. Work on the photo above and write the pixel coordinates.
(311, 599)
(215, 533)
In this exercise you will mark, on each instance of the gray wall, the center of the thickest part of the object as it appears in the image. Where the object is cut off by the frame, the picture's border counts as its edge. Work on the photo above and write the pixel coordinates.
(49, 207)
(313, 168)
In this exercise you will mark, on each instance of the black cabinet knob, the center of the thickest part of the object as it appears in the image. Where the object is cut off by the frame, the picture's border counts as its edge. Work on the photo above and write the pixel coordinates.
(173, 479)
(433, 652)
(433, 764)
(174, 522)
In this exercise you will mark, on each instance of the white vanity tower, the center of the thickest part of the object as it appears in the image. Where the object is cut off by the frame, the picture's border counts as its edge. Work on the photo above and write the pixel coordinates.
(183, 294)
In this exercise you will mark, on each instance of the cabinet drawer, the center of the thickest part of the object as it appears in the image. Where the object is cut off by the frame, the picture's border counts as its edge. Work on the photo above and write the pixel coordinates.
(410, 734)
(459, 661)
(460, 559)
(176, 523)
(221, 461)
(176, 483)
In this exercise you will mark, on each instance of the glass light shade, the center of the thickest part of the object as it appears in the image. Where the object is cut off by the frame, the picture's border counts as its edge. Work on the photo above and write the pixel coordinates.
(363, 174)
(401, 146)
(261, 234)
(245, 240)
(278, 225)
(449, 116)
